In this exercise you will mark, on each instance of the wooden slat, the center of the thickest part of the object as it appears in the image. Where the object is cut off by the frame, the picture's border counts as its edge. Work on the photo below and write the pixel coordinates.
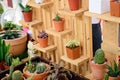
(76, 62)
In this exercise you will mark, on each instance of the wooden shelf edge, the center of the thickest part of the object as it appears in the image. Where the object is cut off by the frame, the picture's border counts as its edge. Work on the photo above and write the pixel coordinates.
(76, 62)
(45, 50)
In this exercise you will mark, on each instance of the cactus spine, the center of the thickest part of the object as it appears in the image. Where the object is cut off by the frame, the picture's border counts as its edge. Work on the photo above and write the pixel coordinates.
(99, 57)
(40, 68)
(17, 75)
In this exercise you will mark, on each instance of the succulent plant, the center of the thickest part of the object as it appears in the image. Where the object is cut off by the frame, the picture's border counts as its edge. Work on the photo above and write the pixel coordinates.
(73, 44)
(99, 56)
(26, 8)
(42, 34)
(57, 18)
(16, 61)
(17, 75)
(8, 59)
(40, 68)
(8, 25)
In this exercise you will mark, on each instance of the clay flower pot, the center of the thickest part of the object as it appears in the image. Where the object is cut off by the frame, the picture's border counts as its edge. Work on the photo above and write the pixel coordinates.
(98, 69)
(27, 16)
(59, 25)
(43, 42)
(73, 53)
(115, 8)
(74, 4)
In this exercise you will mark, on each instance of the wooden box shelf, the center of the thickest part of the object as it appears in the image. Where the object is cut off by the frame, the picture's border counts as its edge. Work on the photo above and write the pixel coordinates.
(44, 4)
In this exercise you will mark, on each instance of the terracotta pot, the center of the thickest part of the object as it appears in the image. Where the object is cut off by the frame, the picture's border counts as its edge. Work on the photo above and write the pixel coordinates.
(40, 76)
(43, 42)
(18, 45)
(59, 25)
(27, 16)
(1, 66)
(115, 8)
(98, 69)
(73, 53)
(74, 4)
(114, 78)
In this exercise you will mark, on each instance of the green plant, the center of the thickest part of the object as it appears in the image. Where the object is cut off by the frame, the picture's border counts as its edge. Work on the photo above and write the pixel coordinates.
(10, 72)
(17, 75)
(10, 34)
(106, 77)
(9, 25)
(8, 59)
(4, 49)
(27, 8)
(73, 44)
(16, 61)
(99, 57)
(40, 68)
(57, 18)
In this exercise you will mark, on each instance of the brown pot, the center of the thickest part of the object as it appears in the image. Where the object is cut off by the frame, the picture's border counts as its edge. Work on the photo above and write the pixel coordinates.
(1, 66)
(40, 76)
(5, 66)
(27, 16)
(73, 53)
(18, 45)
(74, 4)
(114, 78)
(115, 8)
(59, 25)
(98, 69)
(43, 42)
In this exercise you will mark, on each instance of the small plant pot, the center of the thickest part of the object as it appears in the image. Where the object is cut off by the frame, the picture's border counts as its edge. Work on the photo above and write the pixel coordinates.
(115, 8)
(98, 69)
(59, 25)
(1, 65)
(73, 53)
(27, 16)
(74, 4)
(43, 42)
(114, 78)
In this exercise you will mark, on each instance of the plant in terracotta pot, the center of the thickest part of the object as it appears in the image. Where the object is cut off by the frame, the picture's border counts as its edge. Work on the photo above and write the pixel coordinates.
(98, 65)
(73, 49)
(4, 49)
(58, 23)
(113, 72)
(27, 12)
(40, 70)
(43, 39)
(74, 4)
(115, 8)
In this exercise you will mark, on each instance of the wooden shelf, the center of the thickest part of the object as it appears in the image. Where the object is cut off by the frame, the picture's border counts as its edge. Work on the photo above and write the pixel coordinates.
(76, 62)
(55, 33)
(71, 13)
(45, 50)
(33, 23)
(33, 4)
(105, 16)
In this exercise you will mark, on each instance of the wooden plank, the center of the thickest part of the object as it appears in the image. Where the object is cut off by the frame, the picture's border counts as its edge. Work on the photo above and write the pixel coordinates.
(105, 16)
(76, 62)
(45, 50)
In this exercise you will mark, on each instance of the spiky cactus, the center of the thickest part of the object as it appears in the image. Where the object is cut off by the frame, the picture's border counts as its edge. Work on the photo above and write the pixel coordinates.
(8, 59)
(99, 57)
(40, 68)
(72, 44)
(17, 75)
(57, 18)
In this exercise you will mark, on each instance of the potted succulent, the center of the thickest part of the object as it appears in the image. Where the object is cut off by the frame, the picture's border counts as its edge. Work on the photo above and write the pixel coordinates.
(58, 23)
(40, 70)
(4, 49)
(27, 12)
(73, 49)
(115, 8)
(113, 72)
(98, 65)
(74, 4)
(43, 39)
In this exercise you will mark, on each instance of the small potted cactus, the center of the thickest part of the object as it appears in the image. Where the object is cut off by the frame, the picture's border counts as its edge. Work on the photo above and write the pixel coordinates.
(98, 65)
(43, 39)
(58, 23)
(73, 49)
(17, 75)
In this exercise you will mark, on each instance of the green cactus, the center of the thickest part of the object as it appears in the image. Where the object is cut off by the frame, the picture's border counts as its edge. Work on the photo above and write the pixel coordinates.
(99, 57)
(4, 49)
(8, 59)
(30, 66)
(57, 18)
(17, 75)
(72, 44)
(16, 61)
(10, 72)
(40, 68)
